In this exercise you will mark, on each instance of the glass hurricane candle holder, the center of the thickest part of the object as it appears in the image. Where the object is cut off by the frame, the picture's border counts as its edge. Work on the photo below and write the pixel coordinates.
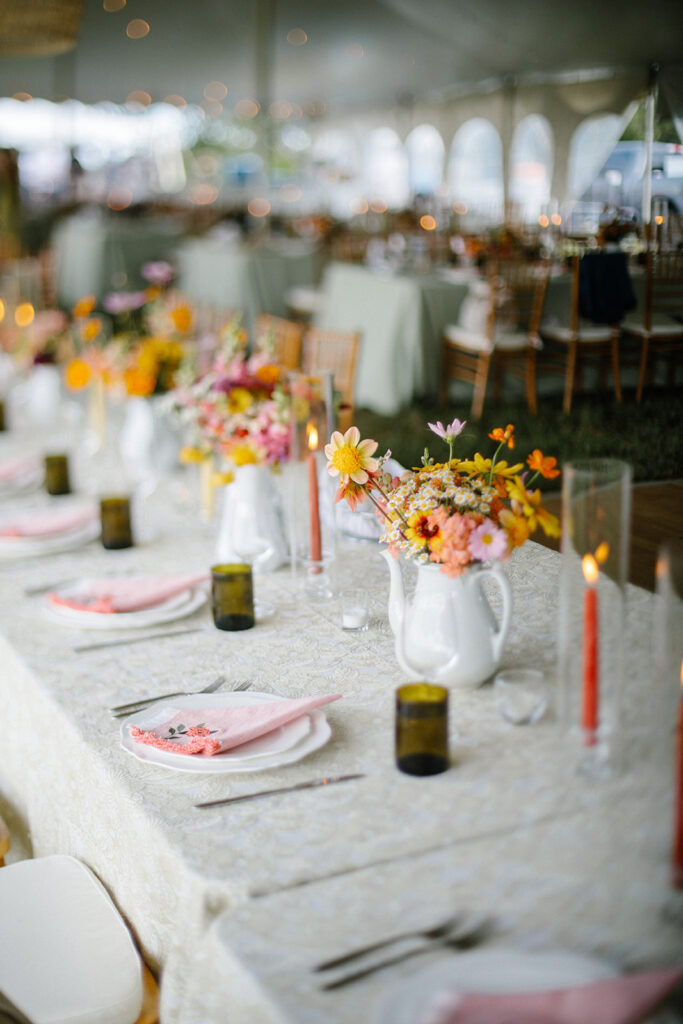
(232, 596)
(117, 531)
(596, 515)
(57, 474)
(422, 729)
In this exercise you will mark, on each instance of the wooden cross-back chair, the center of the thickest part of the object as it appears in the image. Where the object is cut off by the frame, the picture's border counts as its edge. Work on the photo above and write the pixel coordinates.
(284, 336)
(660, 331)
(65, 934)
(569, 346)
(336, 351)
(506, 339)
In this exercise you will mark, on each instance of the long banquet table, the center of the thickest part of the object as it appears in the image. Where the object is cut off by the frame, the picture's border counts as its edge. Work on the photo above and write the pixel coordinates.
(236, 904)
(224, 273)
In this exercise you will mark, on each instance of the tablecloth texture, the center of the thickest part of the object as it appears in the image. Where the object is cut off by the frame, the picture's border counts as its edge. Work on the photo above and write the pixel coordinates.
(218, 898)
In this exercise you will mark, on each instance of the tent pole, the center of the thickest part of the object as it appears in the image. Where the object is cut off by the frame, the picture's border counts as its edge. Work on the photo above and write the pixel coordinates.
(649, 140)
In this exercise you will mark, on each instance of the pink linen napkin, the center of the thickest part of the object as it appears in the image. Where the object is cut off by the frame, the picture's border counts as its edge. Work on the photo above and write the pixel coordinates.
(621, 1000)
(48, 522)
(210, 731)
(18, 466)
(127, 594)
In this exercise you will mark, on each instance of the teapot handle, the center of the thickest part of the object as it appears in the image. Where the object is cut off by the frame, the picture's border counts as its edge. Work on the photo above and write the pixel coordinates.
(499, 635)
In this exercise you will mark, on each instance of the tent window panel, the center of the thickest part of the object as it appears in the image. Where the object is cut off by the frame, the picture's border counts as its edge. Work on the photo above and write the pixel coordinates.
(475, 169)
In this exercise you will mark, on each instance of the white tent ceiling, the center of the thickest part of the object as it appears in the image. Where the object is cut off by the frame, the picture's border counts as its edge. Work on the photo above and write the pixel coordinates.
(359, 53)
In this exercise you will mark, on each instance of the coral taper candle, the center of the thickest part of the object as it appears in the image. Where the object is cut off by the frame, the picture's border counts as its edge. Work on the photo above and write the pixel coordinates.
(678, 801)
(590, 686)
(316, 543)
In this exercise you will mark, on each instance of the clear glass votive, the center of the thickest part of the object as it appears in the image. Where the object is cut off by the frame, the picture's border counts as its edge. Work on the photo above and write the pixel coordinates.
(596, 515)
(354, 609)
(521, 695)
(117, 531)
(232, 596)
(318, 585)
(422, 729)
(57, 474)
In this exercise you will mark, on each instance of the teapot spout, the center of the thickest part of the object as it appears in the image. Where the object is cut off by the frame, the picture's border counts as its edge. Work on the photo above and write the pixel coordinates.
(397, 598)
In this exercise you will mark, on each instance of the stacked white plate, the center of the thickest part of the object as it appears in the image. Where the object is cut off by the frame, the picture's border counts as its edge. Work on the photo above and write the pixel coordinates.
(28, 476)
(281, 746)
(176, 607)
(48, 543)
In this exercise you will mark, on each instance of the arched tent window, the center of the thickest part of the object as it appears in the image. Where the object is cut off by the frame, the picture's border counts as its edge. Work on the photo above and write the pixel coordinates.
(475, 168)
(425, 151)
(591, 144)
(531, 165)
(385, 168)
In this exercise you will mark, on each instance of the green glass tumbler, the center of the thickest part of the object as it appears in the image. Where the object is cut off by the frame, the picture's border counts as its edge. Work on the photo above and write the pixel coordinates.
(57, 474)
(116, 526)
(422, 729)
(232, 596)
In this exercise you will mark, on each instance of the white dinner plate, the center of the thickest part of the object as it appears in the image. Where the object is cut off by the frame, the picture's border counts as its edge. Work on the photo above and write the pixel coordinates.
(496, 969)
(281, 746)
(176, 607)
(28, 547)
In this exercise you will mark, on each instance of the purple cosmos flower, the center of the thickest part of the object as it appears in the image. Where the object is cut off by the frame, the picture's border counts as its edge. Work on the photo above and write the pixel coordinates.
(158, 272)
(487, 542)
(450, 432)
(123, 302)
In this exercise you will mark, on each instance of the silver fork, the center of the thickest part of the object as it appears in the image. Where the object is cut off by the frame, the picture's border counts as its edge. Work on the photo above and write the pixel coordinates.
(121, 710)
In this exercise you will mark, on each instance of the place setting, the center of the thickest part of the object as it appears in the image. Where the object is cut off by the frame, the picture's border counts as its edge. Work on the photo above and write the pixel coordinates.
(19, 475)
(46, 530)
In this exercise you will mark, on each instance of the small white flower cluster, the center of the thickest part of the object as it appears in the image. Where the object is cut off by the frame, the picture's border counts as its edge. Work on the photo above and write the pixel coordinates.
(422, 494)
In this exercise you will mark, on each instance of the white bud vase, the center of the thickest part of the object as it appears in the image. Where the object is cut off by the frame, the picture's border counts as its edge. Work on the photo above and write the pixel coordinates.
(251, 527)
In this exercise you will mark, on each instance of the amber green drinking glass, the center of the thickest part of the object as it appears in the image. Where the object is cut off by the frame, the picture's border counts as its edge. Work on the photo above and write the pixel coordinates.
(3, 425)
(57, 474)
(422, 729)
(116, 526)
(232, 596)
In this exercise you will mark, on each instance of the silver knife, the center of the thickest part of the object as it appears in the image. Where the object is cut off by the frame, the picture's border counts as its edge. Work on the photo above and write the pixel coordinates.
(330, 781)
(135, 639)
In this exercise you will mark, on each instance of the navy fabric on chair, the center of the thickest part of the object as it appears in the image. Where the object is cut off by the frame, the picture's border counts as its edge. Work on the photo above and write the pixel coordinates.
(605, 290)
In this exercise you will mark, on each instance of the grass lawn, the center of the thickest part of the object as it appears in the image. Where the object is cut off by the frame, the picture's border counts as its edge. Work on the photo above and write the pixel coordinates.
(648, 436)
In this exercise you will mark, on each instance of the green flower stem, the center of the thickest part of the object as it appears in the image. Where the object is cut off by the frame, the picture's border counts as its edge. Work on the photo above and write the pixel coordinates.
(493, 461)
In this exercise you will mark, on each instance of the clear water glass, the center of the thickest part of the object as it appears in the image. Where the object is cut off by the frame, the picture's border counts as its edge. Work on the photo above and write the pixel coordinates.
(521, 695)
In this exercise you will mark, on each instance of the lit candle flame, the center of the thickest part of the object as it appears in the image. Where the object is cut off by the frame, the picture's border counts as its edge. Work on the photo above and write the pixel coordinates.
(312, 436)
(602, 553)
(590, 568)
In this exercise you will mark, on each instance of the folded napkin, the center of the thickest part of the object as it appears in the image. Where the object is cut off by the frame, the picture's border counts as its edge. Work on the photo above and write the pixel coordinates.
(47, 522)
(210, 731)
(127, 594)
(627, 999)
(18, 466)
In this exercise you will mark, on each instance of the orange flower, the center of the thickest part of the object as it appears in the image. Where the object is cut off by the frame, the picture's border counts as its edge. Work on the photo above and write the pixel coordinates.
(506, 436)
(138, 382)
(268, 374)
(78, 375)
(545, 465)
(182, 318)
(84, 307)
(91, 328)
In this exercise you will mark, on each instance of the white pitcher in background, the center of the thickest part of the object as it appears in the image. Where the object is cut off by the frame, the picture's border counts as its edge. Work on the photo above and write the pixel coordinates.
(447, 632)
(251, 527)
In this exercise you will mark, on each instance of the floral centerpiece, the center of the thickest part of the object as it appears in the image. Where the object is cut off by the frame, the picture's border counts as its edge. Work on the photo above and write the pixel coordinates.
(239, 409)
(457, 520)
(139, 341)
(454, 513)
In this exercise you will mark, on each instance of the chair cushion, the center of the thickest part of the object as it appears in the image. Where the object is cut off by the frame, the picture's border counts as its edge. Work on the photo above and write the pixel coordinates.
(588, 332)
(462, 337)
(66, 956)
(662, 327)
(305, 300)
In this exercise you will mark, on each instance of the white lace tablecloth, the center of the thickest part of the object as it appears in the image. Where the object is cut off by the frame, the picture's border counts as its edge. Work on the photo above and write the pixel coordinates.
(236, 903)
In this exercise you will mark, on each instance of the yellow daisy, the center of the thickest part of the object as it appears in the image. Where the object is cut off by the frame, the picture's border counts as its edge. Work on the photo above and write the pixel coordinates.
(349, 458)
